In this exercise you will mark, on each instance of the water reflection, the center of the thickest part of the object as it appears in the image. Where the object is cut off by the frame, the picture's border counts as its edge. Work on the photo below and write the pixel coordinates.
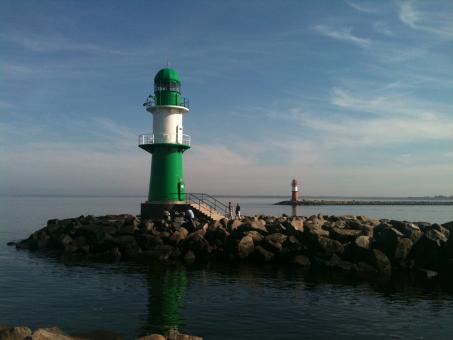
(165, 294)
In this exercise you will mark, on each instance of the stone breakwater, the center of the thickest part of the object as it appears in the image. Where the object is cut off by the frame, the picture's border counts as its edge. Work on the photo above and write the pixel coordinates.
(54, 333)
(365, 202)
(355, 244)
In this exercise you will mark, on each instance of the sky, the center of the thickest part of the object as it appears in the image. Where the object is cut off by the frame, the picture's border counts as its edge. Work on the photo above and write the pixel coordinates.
(349, 97)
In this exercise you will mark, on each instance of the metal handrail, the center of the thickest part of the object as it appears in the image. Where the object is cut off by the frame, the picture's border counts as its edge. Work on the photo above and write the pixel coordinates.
(151, 102)
(213, 204)
(210, 201)
(163, 139)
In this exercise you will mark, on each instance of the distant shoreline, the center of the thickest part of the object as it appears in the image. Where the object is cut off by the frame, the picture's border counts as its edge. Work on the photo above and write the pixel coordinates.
(364, 202)
(308, 197)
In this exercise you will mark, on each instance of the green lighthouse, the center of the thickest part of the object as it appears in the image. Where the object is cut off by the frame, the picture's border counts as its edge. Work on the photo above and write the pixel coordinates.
(167, 143)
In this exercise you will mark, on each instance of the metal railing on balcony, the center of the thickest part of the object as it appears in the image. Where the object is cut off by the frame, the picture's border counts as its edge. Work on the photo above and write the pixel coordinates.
(151, 102)
(163, 139)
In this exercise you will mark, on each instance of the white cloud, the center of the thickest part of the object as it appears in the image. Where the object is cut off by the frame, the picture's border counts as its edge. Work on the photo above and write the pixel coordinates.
(362, 7)
(437, 22)
(54, 43)
(344, 34)
(383, 28)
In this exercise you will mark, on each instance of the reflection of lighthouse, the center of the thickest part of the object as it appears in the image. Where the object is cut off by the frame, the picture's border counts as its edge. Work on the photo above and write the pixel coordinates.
(166, 287)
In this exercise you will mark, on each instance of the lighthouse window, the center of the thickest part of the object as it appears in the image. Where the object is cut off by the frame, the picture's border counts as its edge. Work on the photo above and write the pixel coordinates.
(167, 86)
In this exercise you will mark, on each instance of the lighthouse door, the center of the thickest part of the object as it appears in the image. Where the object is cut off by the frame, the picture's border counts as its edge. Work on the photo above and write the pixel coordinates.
(179, 134)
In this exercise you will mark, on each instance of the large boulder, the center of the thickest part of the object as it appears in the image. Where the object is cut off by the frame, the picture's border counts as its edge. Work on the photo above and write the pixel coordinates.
(344, 235)
(381, 262)
(179, 235)
(262, 255)
(402, 251)
(312, 232)
(298, 224)
(386, 238)
(292, 244)
(409, 230)
(148, 241)
(430, 251)
(302, 261)
(358, 250)
(52, 333)
(198, 244)
(326, 247)
(152, 337)
(259, 225)
(256, 236)
(15, 333)
(245, 247)
(273, 242)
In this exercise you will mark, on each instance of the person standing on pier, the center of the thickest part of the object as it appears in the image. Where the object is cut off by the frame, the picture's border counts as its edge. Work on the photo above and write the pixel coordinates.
(238, 211)
(230, 211)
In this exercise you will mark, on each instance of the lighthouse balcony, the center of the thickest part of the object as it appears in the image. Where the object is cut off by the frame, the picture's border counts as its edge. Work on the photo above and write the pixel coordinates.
(144, 140)
(153, 101)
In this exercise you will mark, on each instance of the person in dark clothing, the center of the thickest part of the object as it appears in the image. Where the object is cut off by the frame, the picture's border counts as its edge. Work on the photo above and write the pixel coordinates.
(238, 211)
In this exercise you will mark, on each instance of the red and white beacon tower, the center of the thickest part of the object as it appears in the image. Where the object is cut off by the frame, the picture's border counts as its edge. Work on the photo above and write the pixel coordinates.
(294, 192)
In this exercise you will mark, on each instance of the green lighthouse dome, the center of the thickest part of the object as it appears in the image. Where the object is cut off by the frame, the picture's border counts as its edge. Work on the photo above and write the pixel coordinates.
(167, 88)
(167, 75)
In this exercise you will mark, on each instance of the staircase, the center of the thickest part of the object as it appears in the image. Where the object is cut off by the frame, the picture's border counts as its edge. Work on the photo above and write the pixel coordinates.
(207, 206)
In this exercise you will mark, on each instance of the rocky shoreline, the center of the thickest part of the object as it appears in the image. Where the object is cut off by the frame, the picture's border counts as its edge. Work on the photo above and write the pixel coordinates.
(364, 202)
(355, 244)
(8, 332)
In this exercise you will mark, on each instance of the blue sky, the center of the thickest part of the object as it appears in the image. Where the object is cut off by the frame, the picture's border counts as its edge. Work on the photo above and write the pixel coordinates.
(350, 97)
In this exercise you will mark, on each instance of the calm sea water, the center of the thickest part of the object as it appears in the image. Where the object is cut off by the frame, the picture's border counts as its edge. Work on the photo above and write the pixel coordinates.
(217, 302)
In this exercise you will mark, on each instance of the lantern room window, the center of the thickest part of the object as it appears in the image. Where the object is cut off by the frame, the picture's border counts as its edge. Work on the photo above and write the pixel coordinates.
(167, 86)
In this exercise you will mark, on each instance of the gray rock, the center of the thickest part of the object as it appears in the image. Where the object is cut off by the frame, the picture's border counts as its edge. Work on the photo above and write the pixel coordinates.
(292, 244)
(197, 243)
(344, 235)
(328, 247)
(302, 261)
(262, 255)
(15, 333)
(314, 230)
(256, 236)
(386, 238)
(259, 225)
(403, 249)
(381, 262)
(4, 327)
(52, 333)
(362, 242)
(179, 235)
(123, 240)
(273, 242)
(222, 236)
(234, 224)
(298, 224)
(245, 247)
(429, 252)
(152, 337)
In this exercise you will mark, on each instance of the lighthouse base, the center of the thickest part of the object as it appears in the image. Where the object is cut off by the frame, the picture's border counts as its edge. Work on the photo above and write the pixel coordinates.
(153, 210)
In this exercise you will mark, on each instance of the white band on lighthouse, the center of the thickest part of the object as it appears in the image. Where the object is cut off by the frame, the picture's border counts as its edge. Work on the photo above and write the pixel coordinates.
(167, 121)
